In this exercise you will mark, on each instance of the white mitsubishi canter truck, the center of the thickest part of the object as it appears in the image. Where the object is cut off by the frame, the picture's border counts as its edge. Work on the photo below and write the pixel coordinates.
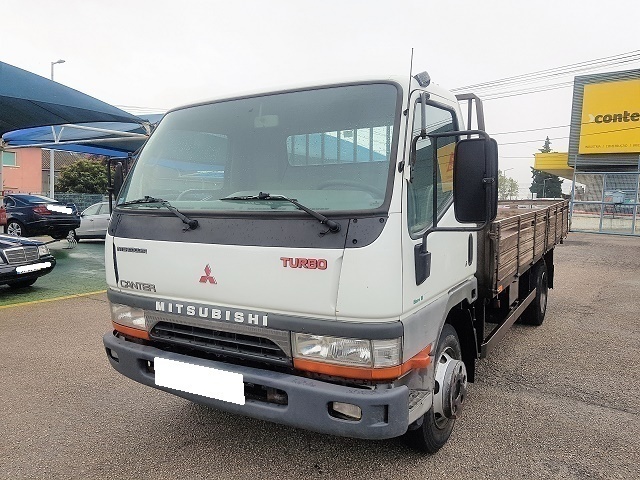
(324, 257)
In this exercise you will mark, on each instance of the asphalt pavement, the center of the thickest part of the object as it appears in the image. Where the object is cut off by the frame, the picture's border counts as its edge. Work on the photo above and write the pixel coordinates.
(557, 401)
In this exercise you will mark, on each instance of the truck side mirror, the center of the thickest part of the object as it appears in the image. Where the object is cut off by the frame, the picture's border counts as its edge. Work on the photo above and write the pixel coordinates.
(475, 180)
(118, 179)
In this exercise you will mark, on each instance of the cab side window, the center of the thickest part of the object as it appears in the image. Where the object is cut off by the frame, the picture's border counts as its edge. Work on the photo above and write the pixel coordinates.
(420, 200)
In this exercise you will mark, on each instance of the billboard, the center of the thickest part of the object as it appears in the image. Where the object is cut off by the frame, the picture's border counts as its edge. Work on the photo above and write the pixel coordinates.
(445, 163)
(610, 118)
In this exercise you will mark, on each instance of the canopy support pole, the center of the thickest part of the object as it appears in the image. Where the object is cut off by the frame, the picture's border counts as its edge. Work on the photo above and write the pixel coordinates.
(52, 176)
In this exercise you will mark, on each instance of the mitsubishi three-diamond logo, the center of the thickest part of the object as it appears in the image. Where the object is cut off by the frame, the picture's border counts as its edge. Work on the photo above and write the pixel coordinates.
(207, 276)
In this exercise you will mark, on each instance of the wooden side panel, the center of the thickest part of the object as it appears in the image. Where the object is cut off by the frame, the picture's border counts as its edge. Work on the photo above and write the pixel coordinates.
(522, 234)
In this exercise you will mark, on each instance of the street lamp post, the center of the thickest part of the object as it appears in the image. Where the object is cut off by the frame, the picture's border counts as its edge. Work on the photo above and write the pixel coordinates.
(55, 63)
(506, 178)
(52, 158)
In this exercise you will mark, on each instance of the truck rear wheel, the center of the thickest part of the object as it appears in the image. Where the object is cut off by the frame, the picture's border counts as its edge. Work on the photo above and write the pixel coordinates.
(449, 393)
(535, 312)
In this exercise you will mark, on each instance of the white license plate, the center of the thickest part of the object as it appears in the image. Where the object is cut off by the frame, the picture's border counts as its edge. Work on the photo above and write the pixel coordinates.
(206, 381)
(33, 268)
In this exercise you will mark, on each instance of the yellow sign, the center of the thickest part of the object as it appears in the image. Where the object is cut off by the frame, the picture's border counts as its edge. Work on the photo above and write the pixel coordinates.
(445, 163)
(611, 118)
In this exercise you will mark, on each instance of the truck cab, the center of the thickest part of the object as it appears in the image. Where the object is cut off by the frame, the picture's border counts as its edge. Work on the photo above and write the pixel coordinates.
(267, 255)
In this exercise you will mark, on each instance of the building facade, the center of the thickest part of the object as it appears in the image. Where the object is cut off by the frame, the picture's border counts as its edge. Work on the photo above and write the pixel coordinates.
(26, 170)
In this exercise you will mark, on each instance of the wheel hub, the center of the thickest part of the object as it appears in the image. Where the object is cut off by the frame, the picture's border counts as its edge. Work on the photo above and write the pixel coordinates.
(451, 388)
(543, 294)
(14, 229)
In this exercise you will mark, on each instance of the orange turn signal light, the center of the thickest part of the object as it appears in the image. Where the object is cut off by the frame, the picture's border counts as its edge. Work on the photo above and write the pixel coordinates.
(421, 360)
(130, 331)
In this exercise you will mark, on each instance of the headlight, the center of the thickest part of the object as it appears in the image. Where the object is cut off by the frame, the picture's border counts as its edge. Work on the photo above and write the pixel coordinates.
(348, 351)
(43, 250)
(128, 316)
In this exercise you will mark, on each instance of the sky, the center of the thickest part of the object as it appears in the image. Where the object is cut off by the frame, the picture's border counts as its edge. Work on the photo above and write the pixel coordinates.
(148, 56)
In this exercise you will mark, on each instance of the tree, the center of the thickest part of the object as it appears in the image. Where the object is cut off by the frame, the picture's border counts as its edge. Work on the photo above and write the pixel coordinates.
(507, 187)
(546, 148)
(545, 185)
(83, 176)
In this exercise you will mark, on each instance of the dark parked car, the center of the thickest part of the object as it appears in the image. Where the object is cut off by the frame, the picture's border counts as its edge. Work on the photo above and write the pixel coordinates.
(23, 260)
(30, 215)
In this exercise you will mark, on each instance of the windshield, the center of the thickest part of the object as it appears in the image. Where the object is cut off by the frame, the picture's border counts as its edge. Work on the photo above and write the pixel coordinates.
(329, 149)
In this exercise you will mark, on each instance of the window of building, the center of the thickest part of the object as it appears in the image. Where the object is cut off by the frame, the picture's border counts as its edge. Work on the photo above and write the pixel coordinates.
(9, 159)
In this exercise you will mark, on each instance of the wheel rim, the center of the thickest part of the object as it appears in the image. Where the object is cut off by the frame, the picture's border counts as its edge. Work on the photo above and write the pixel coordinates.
(451, 388)
(14, 229)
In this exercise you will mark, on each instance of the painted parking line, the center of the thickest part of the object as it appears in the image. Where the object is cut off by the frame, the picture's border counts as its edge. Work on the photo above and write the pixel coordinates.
(2, 307)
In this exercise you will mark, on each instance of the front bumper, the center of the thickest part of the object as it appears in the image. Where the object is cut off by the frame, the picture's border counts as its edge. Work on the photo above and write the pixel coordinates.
(9, 273)
(385, 412)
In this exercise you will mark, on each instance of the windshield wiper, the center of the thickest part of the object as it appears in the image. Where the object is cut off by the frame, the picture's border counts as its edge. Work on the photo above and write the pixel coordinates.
(191, 224)
(334, 227)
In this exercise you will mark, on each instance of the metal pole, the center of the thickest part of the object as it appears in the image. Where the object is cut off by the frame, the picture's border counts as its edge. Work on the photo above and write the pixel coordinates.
(573, 190)
(635, 209)
(52, 175)
(604, 186)
(1, 181)
(55, 63)
(52, 157)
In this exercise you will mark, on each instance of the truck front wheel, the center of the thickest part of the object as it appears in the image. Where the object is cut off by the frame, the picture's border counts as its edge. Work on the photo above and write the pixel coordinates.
(449, 394)
(535, 312)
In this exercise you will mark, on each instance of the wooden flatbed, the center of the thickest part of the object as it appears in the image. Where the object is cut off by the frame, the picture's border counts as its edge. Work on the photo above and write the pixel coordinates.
(521, 234)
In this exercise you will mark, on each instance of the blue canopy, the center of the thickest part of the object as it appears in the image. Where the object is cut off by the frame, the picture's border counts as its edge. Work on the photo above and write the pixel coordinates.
(29, 100)
(100, 138)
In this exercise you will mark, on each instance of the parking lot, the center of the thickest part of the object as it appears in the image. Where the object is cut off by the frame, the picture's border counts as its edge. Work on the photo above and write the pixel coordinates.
(78, 271)
(557, 401)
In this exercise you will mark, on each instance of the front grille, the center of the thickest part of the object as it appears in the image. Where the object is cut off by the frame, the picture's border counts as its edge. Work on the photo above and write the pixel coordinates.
(21, 255)
(220, 343)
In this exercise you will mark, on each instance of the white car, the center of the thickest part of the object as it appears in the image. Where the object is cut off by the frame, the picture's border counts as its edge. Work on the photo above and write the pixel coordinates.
(94, 221)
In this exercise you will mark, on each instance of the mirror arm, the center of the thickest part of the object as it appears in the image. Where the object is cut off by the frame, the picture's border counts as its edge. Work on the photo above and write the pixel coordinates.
(423, 133)
(110, 180)
(459, 133)
(423, 114)
(434, 190)
(109, 185)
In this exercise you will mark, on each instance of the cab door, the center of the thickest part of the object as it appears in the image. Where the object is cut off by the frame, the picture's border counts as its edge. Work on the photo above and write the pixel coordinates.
(428, 191)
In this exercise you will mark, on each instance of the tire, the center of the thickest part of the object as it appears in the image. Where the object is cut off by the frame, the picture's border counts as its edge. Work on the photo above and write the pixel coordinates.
(535, 312)
(22, 283)
(15, 228)
(75, 236)
(59, 235)
(435, 429)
